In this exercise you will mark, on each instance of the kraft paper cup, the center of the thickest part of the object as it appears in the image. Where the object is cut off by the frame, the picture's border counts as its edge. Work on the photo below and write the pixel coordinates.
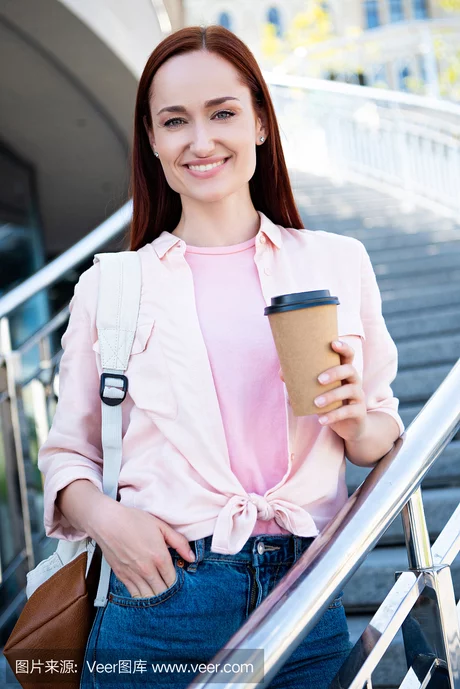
(303, 325)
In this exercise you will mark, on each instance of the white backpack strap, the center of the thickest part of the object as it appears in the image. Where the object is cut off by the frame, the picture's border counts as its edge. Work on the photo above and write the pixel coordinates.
(116, 321)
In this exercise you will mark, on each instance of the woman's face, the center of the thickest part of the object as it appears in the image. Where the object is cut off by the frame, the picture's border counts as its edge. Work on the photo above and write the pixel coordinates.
(189, 130)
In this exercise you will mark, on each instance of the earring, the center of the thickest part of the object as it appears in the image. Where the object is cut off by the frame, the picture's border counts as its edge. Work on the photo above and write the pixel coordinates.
(262, 139)
(156, 153)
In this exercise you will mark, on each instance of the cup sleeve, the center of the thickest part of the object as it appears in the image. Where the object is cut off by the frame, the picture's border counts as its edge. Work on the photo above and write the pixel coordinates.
(380, 354)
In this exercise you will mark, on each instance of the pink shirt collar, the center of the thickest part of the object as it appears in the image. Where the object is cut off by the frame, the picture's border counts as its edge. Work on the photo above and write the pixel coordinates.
(166, 240)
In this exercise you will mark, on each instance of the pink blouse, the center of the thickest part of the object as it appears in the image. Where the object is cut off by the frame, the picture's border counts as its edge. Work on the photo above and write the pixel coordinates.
(209, 445)
(244, 364)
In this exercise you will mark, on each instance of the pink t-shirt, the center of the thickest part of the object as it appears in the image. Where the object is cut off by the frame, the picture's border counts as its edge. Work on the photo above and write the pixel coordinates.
(244, 364)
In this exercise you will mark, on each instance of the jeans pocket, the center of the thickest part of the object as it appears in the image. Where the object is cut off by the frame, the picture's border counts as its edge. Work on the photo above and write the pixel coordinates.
(120, 594)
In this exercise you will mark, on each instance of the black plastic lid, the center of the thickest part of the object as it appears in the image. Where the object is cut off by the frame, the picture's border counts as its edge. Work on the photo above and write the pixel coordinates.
(300, 300)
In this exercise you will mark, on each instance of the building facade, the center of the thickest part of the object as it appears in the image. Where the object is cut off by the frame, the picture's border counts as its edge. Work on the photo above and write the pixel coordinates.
(407, 45)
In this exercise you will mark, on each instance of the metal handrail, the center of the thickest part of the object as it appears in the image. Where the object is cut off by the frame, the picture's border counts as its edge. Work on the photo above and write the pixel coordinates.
(77, 253)
(289, 613)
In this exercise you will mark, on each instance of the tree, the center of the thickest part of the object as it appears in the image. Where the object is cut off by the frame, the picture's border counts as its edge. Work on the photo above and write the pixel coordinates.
(449, 5)
(310, 29)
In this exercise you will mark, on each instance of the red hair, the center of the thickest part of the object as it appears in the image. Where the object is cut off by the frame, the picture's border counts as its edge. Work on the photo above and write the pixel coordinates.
(157, 207)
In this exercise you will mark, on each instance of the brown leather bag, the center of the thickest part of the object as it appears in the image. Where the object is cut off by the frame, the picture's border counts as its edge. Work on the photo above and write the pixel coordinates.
(54, 627)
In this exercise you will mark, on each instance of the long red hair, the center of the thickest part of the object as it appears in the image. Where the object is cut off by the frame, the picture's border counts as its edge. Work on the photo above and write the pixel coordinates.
(157, 207)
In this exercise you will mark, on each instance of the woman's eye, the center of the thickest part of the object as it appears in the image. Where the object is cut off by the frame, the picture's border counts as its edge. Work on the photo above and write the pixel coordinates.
(225, 112)
(174, 119)
(170, 124)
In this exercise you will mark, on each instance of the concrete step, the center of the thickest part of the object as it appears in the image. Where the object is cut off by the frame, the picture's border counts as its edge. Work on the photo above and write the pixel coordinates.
(443, 321)
(309, 193)
(397, 255)
(380, 227)
(408, 412)
(439, 504)
(367, 214)
(390, 247)
(309, 188)
(395, 283)
(360, 224)
(444, 472)
(371, 583)
(414, 266)
(418, 384)
(354, 214)
(413, 300)
(391, 669)
(430, 350)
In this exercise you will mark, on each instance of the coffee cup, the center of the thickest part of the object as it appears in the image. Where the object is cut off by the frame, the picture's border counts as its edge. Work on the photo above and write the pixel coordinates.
(303, 326)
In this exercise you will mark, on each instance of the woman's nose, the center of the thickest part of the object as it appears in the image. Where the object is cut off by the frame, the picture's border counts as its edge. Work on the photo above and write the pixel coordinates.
(202, 144)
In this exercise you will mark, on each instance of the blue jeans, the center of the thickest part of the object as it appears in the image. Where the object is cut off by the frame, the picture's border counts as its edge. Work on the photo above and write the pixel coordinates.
(196, 616)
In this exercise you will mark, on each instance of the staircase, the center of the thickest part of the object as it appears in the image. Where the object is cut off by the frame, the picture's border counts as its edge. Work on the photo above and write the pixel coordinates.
(416, 257)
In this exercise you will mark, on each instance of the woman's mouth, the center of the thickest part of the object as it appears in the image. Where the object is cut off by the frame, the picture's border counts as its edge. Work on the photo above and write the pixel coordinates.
(205, 171)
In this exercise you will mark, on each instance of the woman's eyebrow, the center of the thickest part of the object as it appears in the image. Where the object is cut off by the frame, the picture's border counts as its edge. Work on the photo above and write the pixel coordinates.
(208, 104)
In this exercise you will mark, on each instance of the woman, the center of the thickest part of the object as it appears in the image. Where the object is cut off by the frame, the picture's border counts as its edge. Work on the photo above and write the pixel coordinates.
(221, 488)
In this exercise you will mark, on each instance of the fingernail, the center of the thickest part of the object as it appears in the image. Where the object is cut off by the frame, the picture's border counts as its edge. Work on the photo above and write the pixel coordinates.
(320, 401)
(337, 343)
(191, 554)
(323, 420)
(323, 378)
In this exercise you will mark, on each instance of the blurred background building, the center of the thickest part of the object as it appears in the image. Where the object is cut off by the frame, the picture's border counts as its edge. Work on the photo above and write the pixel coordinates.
(367, 93)
(410, 45)
(69, 76)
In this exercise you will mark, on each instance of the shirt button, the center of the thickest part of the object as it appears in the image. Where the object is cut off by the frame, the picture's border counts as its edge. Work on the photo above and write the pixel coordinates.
(260, 548)
(262, 239)
(267, 271)
(292, 456)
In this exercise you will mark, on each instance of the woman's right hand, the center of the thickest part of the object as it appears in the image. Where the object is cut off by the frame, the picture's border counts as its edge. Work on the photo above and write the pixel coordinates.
(135, 544)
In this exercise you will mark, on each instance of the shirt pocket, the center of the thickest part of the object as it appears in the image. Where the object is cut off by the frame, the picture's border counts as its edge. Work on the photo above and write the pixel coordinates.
(149, 380)
(351, 331)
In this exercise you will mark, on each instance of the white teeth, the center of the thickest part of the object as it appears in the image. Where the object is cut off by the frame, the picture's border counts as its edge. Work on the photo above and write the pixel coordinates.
(203, 168)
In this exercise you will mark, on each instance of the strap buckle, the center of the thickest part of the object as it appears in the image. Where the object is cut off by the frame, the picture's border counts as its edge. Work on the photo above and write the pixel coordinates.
(113, 401)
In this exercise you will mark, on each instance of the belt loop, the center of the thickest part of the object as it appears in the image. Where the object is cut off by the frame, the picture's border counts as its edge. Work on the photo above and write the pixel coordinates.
(199, 552)
(296, 547)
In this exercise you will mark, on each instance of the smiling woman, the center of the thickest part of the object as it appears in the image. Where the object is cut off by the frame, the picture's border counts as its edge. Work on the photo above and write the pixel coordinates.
(206, 143)
(221, 487)
(204, 110)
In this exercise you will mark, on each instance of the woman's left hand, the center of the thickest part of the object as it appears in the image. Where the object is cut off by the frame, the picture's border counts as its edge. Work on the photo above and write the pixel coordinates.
(348, 421)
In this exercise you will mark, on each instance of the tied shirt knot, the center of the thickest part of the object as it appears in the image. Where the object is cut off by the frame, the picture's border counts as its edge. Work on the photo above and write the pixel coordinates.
(265, 510)
(237, 518)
